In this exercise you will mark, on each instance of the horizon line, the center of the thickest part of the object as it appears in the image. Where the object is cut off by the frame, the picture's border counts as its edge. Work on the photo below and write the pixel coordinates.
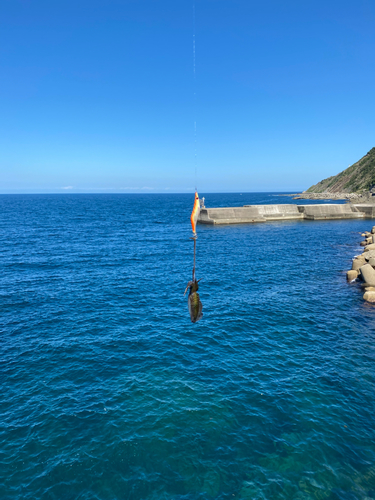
(64, 193)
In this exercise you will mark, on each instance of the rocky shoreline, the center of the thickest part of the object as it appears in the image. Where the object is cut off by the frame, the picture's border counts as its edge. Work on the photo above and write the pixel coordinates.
(363, 266)
(365, 197)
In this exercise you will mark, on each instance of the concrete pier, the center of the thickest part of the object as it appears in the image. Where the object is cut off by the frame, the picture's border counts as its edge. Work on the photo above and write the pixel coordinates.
(264, 213)
(368, 210)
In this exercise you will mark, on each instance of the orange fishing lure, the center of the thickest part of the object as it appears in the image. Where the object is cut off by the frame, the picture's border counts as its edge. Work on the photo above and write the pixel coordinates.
(195, 214)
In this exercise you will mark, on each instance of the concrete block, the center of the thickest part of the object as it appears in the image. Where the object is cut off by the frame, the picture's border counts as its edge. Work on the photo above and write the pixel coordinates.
(357, 264)
(351, 275)
(230, 215)
(330, 211)
(367, 255)
(368, 210)
(368, 274)
(276, 212)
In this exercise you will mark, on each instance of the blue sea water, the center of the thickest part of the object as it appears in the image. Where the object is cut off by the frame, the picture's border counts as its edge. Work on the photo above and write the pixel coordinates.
(108, 391)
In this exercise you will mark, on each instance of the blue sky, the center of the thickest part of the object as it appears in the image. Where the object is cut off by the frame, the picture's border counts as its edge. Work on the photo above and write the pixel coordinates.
(97, 96)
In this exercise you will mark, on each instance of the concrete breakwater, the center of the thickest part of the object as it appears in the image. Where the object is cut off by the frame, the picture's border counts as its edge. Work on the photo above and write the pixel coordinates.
(264, 213)
(363, 266)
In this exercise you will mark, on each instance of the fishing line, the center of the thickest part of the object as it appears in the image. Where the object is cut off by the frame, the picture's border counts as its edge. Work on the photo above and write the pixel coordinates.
(195, 101)
(194, 302)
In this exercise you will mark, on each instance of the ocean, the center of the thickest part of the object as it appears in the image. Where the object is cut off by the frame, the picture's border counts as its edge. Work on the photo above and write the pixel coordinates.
(108, 391)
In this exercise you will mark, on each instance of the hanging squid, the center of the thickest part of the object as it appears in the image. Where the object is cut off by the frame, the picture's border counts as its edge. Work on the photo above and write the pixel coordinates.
(194, 302)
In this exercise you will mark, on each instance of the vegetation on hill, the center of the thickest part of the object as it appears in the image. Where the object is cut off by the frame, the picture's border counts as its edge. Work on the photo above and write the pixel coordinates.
(357, 178)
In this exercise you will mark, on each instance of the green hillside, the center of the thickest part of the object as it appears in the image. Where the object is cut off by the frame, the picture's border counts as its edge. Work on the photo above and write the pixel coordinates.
(357, 178)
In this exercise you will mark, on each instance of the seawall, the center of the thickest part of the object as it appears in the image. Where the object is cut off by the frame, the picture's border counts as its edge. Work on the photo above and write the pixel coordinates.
(264, 213)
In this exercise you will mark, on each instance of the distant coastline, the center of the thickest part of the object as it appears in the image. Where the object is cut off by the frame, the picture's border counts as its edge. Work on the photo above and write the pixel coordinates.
(356, 183)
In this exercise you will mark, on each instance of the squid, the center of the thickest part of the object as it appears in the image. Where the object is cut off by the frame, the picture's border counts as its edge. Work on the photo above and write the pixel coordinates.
(194, 302)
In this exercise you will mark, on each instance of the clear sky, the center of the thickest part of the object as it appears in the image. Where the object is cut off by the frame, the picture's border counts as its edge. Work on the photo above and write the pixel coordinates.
(97, 96)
